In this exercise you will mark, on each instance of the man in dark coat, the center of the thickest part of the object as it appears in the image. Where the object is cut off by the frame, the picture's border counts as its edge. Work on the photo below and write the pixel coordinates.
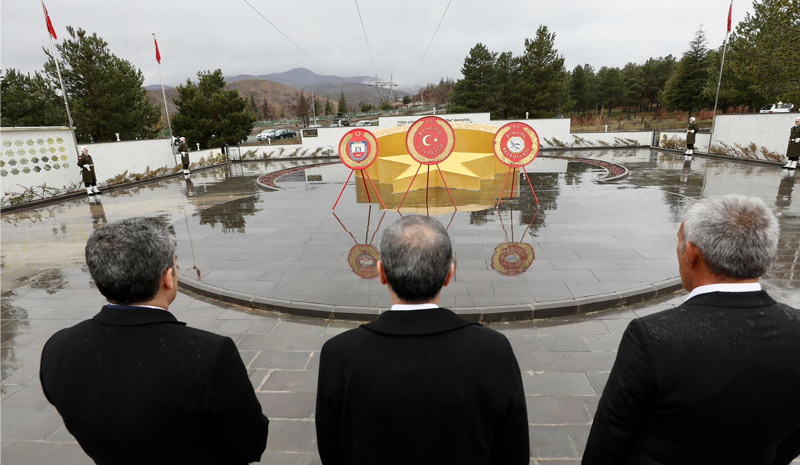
(420, 385)
(88, 175)
(136, 386)
(793, 150)
(183, 148)
(691, 133)
(715, 380)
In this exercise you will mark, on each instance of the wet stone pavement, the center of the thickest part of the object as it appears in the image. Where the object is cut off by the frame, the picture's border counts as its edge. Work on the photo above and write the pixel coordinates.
(564, 361)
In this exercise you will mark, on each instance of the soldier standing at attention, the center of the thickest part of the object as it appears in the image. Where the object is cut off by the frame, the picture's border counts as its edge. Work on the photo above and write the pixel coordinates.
(691, 131)
(86, 165)
(793, 151)
(183, 148)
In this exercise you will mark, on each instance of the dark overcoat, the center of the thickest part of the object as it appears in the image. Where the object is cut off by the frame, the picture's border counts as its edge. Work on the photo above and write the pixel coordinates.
(691, 132)
(136, 386)
(87, 168)
(421, 387)
(793, 151)
(184, 150)
(713, 381)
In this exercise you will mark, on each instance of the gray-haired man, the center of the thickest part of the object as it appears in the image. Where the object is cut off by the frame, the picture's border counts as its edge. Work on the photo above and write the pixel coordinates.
(133, 384)
(420, 385)
(715, 380)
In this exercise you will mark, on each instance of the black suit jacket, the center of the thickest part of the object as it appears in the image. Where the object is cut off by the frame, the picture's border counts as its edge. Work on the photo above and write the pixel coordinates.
(136, 386)
(713, 381)
(421, 387)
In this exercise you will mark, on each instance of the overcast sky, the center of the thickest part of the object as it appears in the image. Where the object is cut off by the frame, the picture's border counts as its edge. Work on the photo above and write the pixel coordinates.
(196, 35)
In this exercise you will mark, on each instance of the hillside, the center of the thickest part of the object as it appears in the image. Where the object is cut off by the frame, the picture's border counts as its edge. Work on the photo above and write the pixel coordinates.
(279, 96)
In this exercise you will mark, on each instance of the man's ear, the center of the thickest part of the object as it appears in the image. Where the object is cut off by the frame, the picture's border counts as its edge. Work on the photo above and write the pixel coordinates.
(168, 280)
(450, 274)
(381, 273)
(693, 255)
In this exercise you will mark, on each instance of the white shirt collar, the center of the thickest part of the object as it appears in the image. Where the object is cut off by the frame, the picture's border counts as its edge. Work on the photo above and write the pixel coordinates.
(142, 306)
(724, 287)
(405, 307)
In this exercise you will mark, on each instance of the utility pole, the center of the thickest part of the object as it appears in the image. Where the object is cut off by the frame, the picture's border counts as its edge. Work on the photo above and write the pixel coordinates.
(313, 108)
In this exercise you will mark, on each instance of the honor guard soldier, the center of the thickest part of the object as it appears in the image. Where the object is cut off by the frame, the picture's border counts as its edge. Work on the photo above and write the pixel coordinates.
(691, 131)
(183, 148)
(793, 150)
(87, 171)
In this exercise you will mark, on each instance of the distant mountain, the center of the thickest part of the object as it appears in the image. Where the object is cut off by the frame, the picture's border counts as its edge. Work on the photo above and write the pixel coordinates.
(300, 78)
(157, 87)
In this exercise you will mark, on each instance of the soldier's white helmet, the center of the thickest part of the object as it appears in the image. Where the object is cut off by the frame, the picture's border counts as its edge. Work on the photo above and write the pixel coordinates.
(84, 149)
(691, 119)
(183, 139)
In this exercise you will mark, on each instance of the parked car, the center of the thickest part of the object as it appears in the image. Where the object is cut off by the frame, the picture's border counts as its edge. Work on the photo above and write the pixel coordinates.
(779, 107)
(285, 134)
(364, 123)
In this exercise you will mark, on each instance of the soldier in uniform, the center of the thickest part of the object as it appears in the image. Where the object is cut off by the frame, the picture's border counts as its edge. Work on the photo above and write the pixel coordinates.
(793, 150)
(86, 165)
(691, 131)
(183, 148)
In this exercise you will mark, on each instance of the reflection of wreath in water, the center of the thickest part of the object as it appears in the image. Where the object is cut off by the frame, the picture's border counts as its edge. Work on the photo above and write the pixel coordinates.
(512, 258)
(363, 260)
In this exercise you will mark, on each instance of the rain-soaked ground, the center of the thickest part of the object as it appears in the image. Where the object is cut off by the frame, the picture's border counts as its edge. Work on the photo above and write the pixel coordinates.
(588, 238)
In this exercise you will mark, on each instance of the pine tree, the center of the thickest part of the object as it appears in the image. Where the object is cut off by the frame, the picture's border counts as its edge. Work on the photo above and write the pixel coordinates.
(105, 92)
(581, 88)
(684, 89)
(473, 93)
(266, 110)
(30, 101)
(543, 75)
(328, 107)
(505, 87)
(342, 103)
(763, 55)
(209, 114)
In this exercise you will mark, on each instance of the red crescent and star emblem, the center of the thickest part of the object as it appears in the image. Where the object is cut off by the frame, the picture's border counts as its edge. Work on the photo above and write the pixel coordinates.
(430, 140)
(358, 149)
(516, 145)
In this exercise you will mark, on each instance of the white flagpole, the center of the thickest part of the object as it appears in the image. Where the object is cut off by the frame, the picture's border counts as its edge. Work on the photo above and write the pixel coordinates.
(166, 109)
(719, 83)
(60, 80)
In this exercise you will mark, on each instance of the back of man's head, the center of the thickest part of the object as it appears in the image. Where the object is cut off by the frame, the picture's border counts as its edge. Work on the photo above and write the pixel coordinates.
(128, 258)
(416, 255)
(737, 235)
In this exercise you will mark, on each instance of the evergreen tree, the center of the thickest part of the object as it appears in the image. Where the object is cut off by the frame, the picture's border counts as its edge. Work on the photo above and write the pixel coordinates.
(505, 90)
(209, 114)
(655, 73)
(328, 107)
(580, 91)
(633, 87)
(764, 54)
(30, 101)
(406, 99)
(252, 107)
(105, 92)
(684, 89)
(474, 93)
(342, 103)
(610, 87)
(543, 75)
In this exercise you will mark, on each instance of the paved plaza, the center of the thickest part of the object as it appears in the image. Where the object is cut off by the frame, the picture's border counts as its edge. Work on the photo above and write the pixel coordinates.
(590, 239)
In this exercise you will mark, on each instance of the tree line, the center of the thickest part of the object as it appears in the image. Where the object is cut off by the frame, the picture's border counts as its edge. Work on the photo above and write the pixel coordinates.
(760, 67)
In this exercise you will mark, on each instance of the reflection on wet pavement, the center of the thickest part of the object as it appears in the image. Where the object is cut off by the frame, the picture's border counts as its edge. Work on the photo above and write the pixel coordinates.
(565, 361)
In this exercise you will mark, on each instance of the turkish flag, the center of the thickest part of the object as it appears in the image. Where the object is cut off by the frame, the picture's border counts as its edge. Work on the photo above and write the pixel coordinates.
(50, 28)
(158, 54)
(730, 11)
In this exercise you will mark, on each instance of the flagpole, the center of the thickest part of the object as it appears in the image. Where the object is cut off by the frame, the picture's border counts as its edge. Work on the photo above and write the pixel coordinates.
(60, 80)
(164, 94)
(719, 82)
